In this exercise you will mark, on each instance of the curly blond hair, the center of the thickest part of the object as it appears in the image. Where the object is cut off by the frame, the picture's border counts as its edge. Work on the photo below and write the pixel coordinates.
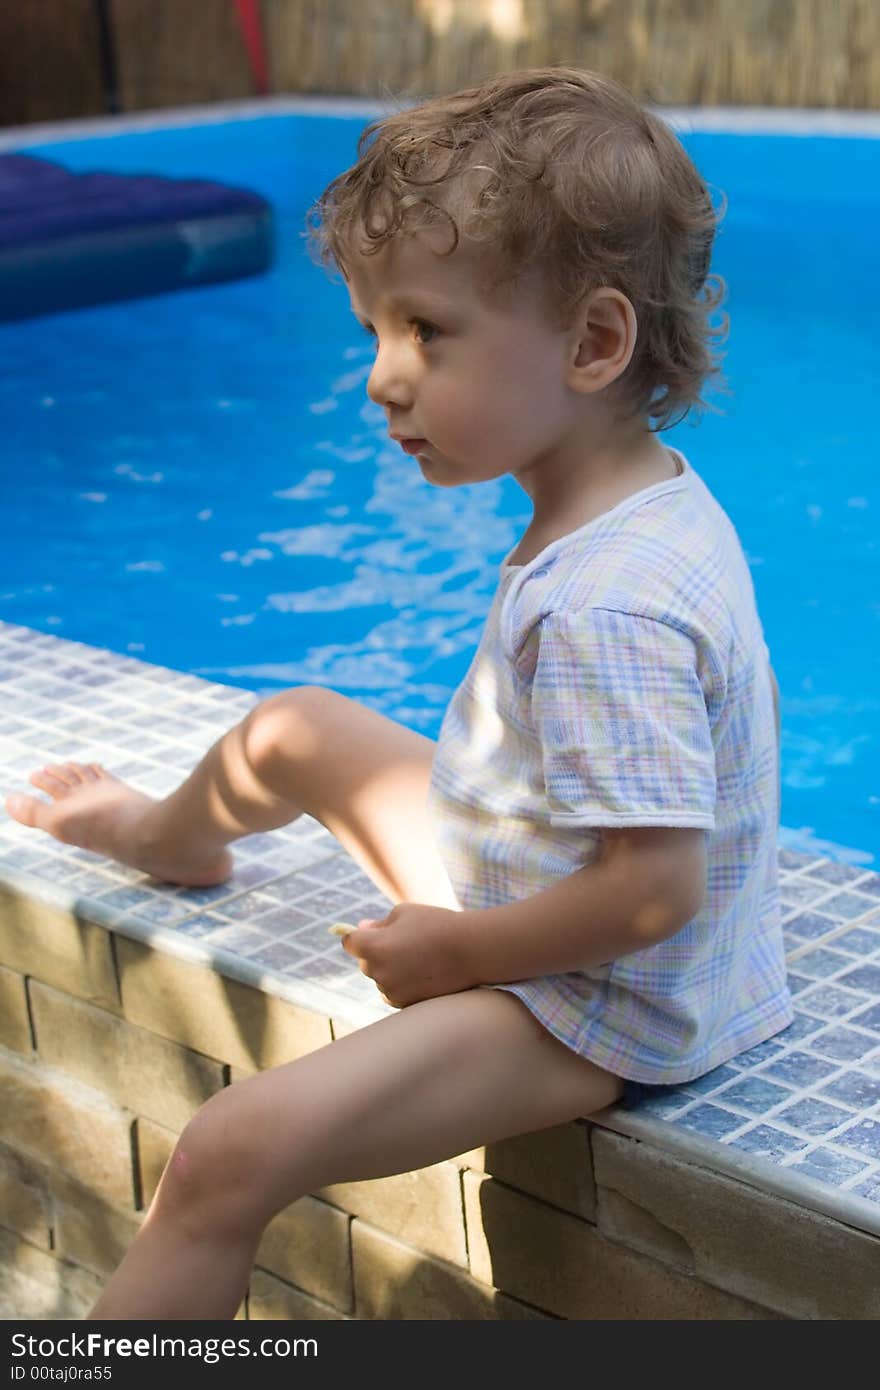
(561, 171)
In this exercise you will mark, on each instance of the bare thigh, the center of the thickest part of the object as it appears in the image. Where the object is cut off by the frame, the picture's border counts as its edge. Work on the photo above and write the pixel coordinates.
(365, 777)
(425, 1084)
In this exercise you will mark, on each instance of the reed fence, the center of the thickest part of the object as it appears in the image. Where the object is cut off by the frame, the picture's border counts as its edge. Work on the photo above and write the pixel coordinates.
(795, 53)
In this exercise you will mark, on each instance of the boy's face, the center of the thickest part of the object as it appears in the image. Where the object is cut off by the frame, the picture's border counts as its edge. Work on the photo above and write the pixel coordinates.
(472, 388)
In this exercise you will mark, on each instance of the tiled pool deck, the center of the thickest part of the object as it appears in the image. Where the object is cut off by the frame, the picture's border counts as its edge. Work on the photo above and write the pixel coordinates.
(798, 1116)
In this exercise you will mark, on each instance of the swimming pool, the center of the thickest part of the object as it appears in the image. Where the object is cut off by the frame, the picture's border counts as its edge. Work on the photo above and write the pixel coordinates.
(199, 479)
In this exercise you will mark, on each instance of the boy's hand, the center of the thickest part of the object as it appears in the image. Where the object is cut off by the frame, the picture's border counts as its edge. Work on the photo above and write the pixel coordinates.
(412, 954)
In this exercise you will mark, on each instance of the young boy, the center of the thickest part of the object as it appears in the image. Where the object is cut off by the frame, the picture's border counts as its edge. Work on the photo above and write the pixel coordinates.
(584, 865)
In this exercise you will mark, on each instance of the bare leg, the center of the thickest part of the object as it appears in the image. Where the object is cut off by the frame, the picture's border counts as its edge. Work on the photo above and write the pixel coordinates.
(304, 750)
(425, 1084)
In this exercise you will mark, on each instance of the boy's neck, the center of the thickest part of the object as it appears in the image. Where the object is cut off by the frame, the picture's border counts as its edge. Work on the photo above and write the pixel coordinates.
(566, 499)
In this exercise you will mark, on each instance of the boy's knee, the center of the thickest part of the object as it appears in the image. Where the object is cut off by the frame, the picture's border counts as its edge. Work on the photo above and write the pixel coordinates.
(212, 1177)
(287, 724)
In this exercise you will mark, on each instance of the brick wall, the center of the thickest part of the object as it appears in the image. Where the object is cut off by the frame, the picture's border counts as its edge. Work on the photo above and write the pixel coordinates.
(108, 1046)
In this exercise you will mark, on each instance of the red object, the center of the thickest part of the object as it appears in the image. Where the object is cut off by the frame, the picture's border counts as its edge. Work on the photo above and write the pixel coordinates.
(251, 26)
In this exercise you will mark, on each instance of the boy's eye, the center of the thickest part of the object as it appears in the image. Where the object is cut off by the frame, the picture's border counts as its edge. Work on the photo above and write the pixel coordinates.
(424, 332)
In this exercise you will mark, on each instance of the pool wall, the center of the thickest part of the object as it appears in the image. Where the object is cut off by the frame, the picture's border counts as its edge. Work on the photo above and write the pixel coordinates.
(125, 1003)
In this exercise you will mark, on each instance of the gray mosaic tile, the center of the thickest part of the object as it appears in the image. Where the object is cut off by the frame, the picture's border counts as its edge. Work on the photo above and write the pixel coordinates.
(763, 1141)
(800, 892)
(849, 905)
(89, 883)
(710, 1120)
(242, 940)
(245, 907)
(843, 1044)
(159, 913)
(198, 927)
(324, 968)
(826, 1165)
(797, 983)
(803, 1025)
(864, 978)
(662, 1106)
(334, 870)
(799, 1069)
(314, 939)
(284, 921)
(869, 1018)
(864, 1136)
(281, 955)
(811, 925)
(329, 903)
(818, 964)
(829, 872)
(870, 1188)
(710, 1080)
(859, 941)
(755, 1056)
(123, 899)
(755, 1095)
(828, 1001)
(855, 1089)
(813, 1116)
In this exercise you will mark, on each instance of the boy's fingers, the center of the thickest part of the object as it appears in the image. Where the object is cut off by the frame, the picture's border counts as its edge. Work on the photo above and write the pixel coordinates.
(344, 929)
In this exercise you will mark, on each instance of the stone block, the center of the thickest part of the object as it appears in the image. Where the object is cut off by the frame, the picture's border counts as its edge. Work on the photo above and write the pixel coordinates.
(68, 1126)
(58, 947)
(395, 1281)
(15, 1028)
(196, 1006)
(271, 1298)
(307, 1244)
(37, 1287)
(24, 1197)
(154, 1146)
(554, 1164)
(422, 1207)
(89, 1233)
(734, 1236)
(137, 1068)
(560, 1264)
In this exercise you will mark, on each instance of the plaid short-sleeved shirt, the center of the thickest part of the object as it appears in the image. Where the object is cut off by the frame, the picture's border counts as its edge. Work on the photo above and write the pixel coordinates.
(622, 678)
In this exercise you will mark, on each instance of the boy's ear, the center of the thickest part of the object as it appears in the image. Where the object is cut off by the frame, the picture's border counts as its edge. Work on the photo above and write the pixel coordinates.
(603, 339)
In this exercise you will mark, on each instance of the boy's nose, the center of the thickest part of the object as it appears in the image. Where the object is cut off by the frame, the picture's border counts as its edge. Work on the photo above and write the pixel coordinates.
(388, 382)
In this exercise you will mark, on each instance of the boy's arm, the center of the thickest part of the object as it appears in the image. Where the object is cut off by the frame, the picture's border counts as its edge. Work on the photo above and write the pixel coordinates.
(643, 887)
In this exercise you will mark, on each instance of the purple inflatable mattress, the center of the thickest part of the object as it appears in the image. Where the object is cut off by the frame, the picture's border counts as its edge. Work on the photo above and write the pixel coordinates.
(67, 240)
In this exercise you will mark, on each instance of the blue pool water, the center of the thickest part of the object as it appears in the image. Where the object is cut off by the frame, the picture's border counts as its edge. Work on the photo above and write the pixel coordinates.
(199, 479)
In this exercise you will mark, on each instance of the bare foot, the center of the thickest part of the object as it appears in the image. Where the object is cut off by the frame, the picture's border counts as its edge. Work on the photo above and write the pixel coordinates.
(96, 811)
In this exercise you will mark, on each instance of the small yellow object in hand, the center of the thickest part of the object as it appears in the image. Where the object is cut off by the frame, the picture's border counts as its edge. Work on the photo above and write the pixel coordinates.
(341, 928)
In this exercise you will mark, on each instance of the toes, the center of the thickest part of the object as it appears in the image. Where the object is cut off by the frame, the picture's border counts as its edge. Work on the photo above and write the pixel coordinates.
(28, 810)
(49, 780)
(73, 773)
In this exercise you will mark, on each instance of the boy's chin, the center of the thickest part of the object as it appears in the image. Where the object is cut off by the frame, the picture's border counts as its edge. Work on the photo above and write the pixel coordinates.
(439, 473)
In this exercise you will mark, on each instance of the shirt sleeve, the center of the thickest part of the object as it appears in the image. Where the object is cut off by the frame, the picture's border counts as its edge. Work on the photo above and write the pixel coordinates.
(621, 717)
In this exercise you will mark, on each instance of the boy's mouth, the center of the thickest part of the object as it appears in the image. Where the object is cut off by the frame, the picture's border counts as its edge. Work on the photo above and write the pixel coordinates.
(411, 446)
